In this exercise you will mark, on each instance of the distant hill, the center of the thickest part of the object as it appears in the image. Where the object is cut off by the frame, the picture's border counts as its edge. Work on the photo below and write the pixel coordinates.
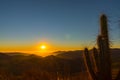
(63, 61)
(18, 63)
(115, 53)
(70, 54)
(16, 53)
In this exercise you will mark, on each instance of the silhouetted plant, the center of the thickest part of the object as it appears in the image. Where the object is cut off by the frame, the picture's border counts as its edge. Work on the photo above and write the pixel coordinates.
(101, 56)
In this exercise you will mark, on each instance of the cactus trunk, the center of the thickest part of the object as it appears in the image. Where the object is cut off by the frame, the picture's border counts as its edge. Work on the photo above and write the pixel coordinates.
(105, 54)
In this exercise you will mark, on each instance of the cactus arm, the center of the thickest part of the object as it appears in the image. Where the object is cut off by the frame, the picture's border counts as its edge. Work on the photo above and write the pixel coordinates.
(96, 60)
(89, 65)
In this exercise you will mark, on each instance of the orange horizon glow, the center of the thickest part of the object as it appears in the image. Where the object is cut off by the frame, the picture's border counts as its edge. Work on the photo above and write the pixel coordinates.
(42, 49)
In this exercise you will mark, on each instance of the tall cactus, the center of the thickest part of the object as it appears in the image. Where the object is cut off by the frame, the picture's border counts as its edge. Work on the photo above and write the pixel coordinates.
(104, 49)
(101, 55)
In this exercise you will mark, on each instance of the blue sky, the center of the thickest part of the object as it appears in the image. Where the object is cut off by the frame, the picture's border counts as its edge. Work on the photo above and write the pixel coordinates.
(69, 24)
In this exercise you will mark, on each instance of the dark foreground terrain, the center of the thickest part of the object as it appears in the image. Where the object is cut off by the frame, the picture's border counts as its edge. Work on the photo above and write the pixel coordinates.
(63, 66)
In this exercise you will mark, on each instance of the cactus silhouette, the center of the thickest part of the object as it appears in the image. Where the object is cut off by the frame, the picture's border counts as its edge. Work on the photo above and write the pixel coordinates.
(101, 56)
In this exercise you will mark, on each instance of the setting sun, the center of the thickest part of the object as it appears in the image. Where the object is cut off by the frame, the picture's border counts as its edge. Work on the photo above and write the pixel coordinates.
(43, 50)
(43, 47)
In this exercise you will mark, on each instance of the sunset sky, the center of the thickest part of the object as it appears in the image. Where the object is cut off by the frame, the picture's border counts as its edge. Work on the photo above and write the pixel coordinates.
(25, 25)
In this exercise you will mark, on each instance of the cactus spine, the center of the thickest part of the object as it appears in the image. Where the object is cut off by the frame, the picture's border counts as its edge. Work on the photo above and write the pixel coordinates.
(101, 56)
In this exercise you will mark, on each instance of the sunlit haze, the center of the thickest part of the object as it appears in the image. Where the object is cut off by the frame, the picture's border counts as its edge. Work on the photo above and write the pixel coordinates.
(43, 47)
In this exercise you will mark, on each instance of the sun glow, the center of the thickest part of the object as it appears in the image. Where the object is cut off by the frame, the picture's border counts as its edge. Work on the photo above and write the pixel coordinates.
(43, 47)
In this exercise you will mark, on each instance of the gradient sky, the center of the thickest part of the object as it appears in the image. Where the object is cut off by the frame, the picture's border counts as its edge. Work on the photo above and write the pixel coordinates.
(59, 24)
